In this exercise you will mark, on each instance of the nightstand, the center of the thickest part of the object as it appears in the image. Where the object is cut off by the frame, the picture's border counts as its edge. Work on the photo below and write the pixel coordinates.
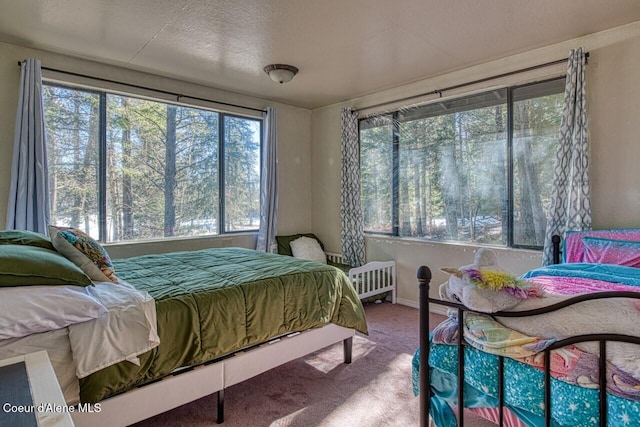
(30, 394)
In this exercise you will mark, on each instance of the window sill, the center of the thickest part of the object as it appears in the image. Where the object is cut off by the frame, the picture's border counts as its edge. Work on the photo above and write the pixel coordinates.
(382, 238)
(179, 239)
(133, 248)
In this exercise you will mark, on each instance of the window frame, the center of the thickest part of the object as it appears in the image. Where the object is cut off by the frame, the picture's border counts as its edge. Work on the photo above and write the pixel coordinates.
(395, 124)
(102, 93)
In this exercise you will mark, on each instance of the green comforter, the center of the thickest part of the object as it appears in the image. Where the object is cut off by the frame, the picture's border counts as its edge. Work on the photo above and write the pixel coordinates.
(212, 302)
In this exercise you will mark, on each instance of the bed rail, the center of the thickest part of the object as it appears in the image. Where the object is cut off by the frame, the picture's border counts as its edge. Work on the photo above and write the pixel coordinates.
(194, 382)
(372, 278)
(424, 278)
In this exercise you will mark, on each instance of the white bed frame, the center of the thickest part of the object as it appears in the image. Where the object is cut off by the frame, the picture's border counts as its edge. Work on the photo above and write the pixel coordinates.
(373, 278)
(193, 383)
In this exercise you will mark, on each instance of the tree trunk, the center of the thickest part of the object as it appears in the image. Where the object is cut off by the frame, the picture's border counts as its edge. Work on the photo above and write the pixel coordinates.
(127, 165)
(89, 174)
(532, 214)
(504, 203)
(170, 173)
(405, 207)
(77, 173)
(450, 185)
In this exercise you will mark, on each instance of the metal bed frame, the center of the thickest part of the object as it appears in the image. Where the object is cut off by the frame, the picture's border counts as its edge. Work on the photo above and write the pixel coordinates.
(424, 277)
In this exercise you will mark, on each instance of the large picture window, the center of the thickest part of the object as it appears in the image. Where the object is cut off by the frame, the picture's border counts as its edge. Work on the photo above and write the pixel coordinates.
(473, 169)
(124, 168)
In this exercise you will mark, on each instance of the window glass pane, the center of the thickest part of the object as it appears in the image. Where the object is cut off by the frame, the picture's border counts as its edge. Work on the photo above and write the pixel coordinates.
(72, 130)
(453, 181)
(453, 162)
(162, 163)
(376, 173)
(242, 174)
(536, 129)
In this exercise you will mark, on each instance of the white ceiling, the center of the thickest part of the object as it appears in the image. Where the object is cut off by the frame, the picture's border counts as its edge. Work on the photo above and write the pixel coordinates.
(343, 48)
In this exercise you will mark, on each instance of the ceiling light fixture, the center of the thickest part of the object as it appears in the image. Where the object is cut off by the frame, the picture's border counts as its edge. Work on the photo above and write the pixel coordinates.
(281, 73)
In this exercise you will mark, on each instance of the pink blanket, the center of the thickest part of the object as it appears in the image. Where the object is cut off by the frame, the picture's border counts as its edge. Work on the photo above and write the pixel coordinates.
(556, 285)
(560, 285)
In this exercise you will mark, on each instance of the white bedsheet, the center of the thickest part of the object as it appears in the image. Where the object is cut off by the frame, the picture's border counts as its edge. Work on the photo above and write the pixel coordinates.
(127, 330)
(613, 316)
(58, 347)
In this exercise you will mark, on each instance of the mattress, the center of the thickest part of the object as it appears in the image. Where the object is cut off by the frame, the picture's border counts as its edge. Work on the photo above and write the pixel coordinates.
(213, 302)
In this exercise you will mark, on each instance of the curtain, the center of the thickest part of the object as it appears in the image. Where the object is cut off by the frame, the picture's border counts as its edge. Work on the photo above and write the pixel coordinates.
(570, 208)
(269, 184)
(352, 234)
(28, 207)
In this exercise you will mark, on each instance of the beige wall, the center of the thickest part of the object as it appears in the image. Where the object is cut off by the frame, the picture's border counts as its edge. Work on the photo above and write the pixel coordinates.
(614, 117)
(294, 127)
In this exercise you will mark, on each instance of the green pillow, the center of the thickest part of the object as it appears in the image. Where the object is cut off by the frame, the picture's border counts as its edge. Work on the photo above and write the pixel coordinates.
(23, 265)
(24, 237)
(284, 242)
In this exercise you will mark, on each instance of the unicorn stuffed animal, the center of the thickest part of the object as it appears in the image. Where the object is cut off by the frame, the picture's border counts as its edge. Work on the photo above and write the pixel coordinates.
(484, 286)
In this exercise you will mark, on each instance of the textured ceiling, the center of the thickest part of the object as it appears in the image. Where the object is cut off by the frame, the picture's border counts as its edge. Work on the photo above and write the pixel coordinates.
(343, 48)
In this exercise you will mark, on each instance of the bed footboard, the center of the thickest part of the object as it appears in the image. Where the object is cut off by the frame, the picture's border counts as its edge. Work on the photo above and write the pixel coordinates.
(424, 280)
(375, 278)
(371, 279)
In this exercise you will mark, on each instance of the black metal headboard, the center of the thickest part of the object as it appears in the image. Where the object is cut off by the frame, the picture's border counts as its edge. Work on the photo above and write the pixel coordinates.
(555, 240)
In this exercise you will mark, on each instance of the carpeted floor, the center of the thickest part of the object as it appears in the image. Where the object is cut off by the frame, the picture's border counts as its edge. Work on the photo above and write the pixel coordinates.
(320, 390)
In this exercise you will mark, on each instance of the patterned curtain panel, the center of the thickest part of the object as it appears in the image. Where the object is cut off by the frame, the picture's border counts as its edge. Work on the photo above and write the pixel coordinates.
(269, 185)
(570, 208)
(352, 234)
(28, 207)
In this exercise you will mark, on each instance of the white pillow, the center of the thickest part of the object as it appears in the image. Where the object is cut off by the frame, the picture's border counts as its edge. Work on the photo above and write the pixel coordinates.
(27, 310)
(308, 248)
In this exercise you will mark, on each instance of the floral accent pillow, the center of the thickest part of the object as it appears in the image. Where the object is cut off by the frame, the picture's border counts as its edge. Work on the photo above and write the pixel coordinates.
(83, 251)
(606, 251)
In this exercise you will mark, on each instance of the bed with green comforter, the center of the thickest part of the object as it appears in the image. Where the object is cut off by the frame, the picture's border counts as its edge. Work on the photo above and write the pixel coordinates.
(213, 302)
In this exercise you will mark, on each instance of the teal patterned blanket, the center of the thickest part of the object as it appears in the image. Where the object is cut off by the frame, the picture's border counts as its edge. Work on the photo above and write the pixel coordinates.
(523, 390)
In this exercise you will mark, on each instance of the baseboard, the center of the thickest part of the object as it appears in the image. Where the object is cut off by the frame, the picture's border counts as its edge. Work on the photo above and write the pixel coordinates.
(434, 308)
(407, 302)
(438, 309)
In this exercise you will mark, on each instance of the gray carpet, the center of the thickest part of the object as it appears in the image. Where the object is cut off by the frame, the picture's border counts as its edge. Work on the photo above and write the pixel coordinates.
(319, 390)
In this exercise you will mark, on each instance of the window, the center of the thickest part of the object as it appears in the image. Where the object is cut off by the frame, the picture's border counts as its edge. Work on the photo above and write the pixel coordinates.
(124, 168)
(473, 169)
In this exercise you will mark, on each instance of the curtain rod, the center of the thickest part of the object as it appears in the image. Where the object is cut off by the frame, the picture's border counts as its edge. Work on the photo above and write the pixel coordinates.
(485, 79)
(165, 92)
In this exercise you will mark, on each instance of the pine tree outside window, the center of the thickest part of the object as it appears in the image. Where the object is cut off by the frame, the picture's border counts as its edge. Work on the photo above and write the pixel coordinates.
(124, 168)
